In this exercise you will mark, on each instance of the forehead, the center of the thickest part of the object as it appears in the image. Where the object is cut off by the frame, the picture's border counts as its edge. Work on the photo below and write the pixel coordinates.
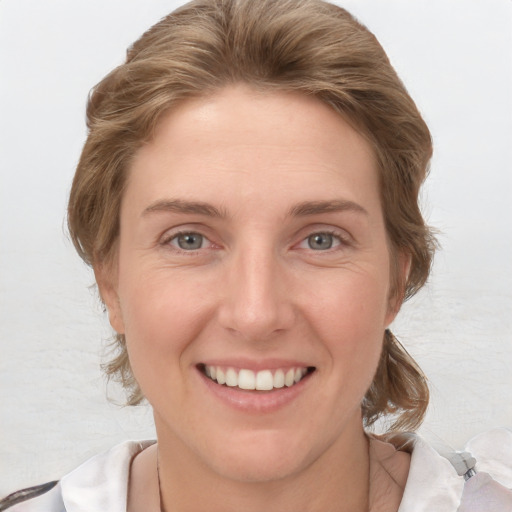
(258, 143)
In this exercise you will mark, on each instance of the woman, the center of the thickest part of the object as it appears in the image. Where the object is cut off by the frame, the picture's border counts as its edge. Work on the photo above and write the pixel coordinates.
(247, 197)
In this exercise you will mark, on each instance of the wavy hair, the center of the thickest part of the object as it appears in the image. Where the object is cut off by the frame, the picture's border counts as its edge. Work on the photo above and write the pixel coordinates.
(307, 46)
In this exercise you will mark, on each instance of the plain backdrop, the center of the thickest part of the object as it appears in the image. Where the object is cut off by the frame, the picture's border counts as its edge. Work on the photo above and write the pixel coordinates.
(455, 57)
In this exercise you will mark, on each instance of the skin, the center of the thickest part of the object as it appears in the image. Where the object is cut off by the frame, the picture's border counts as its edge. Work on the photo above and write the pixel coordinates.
(389, 469)
(255, 290)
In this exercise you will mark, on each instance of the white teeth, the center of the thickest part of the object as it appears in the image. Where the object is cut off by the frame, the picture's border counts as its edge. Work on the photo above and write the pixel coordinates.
(231, 378)
(289, 378)
(264, 380)
(279, 379)
(246, 379)
(221, 377)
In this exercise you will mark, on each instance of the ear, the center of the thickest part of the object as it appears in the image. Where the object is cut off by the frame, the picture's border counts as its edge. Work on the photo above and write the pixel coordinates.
(401, 268)
(106, 278)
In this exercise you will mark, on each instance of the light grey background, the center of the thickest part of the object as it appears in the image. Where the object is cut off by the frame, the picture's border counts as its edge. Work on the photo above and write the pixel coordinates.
(455, 57)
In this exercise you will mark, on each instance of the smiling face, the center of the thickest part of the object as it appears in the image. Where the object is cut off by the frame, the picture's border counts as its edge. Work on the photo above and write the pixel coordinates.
(253, 250)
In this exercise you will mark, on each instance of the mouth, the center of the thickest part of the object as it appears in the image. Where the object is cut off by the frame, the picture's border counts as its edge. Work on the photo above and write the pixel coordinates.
(262, 380)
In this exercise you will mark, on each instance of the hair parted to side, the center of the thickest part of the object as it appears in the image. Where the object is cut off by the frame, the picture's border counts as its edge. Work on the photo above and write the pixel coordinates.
(307, 46)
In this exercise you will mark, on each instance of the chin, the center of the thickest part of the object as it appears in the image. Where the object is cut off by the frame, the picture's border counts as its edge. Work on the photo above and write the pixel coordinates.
(261, 457)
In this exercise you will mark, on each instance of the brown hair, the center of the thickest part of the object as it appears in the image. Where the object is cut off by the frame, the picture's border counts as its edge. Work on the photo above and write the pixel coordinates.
(307, 46)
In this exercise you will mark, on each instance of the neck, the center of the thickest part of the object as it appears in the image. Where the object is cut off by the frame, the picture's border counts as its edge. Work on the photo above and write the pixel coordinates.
(337, 480)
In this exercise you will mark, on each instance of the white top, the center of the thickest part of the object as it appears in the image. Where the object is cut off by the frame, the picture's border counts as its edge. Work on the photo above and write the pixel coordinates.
(433, 484)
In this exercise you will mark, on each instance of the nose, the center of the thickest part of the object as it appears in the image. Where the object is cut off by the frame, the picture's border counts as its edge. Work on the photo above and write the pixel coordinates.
(257, 302)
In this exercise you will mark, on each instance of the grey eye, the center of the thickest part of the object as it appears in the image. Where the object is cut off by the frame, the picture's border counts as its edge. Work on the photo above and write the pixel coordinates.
(189, 241)
(320, 241)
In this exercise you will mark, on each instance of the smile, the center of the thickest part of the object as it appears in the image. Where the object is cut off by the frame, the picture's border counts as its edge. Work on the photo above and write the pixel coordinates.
(263, 380)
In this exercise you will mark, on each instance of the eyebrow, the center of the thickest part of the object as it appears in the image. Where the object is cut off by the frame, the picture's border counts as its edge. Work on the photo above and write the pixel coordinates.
(300, 210)
(333, 206)
(181, 206)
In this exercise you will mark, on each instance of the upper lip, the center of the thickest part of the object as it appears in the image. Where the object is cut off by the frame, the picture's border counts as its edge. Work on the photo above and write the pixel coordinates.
(256, 365)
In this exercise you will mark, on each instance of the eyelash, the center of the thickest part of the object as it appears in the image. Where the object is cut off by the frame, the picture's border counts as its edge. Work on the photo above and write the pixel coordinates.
(167, 241)
(342, 241)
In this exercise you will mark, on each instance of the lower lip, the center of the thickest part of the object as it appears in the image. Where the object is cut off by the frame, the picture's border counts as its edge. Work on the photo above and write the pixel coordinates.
(256, 401)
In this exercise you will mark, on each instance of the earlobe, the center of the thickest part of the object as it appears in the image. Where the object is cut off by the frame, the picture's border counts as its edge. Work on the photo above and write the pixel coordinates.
(405, 267)
(402, 270)
(107, 286)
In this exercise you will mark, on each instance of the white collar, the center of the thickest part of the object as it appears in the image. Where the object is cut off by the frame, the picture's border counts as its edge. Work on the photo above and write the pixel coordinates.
(432, 484)
(101, 483)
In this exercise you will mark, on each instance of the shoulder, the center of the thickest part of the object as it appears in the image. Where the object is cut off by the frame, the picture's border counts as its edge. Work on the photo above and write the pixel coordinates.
(101, 483)
(490, 485)
(465, 481)
(493, 453)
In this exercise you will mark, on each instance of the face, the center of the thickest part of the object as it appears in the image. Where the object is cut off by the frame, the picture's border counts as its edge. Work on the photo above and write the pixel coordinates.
(252, 281)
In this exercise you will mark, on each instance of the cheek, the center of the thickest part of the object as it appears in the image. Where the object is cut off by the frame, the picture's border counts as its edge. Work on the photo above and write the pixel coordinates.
(350, 319)
(353, 304)
(161, 317)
